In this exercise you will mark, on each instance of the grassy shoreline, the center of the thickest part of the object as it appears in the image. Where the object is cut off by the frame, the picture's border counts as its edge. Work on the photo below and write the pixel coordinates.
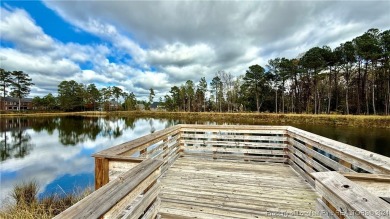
(26, 203)
(377, 121)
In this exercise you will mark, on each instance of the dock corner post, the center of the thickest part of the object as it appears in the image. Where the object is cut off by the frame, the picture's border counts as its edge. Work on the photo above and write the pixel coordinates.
(101, 172)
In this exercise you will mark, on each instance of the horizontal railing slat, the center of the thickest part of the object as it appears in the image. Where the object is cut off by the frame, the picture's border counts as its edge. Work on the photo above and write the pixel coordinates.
(138, 210)
(234, 137)
(236, 143)
(308, 160)
(233, 150)
(324, 159)
(102, 200)
(369, 161)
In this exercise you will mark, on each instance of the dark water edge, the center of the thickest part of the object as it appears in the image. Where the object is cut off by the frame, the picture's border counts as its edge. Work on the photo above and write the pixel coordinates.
(56, 151)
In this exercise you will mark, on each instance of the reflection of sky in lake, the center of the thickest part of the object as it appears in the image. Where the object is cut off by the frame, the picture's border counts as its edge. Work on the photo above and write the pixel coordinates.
(58, 167)
(56, 152)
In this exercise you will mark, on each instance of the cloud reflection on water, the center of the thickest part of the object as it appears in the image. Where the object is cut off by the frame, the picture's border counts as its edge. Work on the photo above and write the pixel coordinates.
(63, 147)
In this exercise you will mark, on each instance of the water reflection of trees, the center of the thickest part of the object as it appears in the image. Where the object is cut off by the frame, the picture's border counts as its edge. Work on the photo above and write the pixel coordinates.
(72, 130)
(40, 124)
(77, 129)
(169, 122)
(15, 142)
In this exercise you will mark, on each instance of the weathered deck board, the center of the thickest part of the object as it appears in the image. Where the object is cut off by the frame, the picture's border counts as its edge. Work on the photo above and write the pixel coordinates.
(206, 188)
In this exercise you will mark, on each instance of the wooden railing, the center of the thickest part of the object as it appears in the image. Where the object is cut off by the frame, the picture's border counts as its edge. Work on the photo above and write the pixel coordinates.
(250, 143)
(132, 195)
(150, 156)
(112, 162)
(310, 153)
(318, 158)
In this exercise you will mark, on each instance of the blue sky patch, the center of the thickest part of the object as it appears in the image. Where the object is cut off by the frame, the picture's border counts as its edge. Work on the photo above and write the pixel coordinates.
(68, 184)
(51, 23)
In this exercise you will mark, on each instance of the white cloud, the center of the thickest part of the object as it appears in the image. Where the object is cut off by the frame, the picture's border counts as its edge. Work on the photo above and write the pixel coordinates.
(181, 55)
(164, 43)
(18, 27)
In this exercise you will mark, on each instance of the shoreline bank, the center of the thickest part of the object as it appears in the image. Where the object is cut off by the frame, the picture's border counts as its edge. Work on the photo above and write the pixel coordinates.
(377, 121)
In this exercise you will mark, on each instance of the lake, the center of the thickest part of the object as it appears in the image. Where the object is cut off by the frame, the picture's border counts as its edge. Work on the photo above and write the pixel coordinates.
(56, 151)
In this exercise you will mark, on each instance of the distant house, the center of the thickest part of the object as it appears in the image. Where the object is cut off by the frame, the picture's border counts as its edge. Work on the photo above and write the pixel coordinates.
(114, 105)
(140, 106)
(12, 104)
(156, 106)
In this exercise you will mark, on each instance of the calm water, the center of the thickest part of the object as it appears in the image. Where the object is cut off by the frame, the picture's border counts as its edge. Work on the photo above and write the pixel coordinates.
(56, 152)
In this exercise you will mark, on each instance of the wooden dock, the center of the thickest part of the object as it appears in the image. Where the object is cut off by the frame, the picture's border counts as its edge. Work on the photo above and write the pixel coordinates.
(200, 171)
(204, 188)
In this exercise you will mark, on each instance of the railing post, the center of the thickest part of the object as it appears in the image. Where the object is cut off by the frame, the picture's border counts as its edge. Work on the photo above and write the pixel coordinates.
(101, 172)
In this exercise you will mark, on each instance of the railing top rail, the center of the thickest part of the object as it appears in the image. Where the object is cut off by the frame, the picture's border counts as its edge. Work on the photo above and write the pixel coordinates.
(233, 127)
(133, 144)
(101, 201)
(374, 160)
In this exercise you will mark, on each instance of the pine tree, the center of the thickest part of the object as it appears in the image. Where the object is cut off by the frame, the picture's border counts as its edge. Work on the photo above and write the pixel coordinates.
(21, 85)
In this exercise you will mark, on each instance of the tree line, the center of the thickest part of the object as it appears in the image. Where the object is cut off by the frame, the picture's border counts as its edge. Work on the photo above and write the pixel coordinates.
(352, 78)
(74, 96)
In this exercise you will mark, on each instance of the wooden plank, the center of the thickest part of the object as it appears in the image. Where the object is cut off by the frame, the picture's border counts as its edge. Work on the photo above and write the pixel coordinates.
(168, 151)
(164, 152)
(241, 131)
(367, 176)
(376, 184)
(118, 208)
(142, 206)
(206, 188)
(301, 172)
(303, 165)
(170, 162)
(153, 210)
(233, 150)
(235, 143)
(167, 143)
(369, 161)
(101, 172)
(100, 201)
(276, 159)
(346, 164)
(116, 168)
(349, 198)
(124, 158)
(233, 137)
(198, 127)
(326, 160)
(308, 159)
(238, 196)
(324, 211)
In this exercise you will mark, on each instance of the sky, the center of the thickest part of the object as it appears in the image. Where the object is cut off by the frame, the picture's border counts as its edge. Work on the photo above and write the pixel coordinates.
(138, 45)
